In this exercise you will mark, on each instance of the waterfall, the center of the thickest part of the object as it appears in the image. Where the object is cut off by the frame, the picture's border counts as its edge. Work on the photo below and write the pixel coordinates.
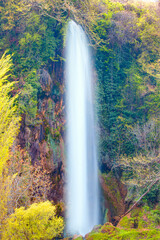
(82, 170)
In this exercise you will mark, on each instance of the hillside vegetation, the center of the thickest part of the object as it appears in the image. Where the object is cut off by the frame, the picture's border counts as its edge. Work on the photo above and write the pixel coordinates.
(124, 37)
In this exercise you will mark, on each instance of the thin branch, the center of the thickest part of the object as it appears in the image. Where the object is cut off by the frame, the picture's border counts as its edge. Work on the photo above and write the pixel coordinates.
(45, 13)
(149, 188)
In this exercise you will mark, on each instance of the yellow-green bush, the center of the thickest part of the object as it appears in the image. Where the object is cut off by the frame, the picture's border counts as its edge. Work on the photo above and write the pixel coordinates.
(39, 221)
(9, 118)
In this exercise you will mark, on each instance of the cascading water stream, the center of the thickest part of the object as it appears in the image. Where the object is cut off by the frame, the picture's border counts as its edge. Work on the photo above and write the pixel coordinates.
(82, 169)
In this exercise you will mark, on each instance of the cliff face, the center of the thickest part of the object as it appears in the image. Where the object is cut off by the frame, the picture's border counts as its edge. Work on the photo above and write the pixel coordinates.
(43, 136)
(114, 193)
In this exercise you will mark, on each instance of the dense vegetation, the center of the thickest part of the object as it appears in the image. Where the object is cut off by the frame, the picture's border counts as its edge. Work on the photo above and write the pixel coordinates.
(128, 92)
(125, 38)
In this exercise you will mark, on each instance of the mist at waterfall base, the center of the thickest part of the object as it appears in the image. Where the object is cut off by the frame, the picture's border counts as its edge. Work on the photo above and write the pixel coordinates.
(82, 168)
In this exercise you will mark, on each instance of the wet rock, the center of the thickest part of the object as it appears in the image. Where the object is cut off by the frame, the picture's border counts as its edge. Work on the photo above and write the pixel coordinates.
(96, 228)
(114, 192)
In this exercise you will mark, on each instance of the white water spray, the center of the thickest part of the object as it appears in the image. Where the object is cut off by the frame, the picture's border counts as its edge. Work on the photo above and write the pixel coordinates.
(82, 169)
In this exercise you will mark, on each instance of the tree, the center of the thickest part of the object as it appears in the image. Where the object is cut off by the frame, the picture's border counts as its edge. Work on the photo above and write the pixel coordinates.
(39, 221)
(141, 173)
(9, 118)
(31, 183)
(9, 124)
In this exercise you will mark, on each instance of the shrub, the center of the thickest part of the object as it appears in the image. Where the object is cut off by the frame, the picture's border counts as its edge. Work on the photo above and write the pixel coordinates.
(39, 221)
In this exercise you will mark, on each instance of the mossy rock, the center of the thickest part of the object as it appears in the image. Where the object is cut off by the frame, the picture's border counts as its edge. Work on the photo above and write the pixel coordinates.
(114, 192)
(108, 228)
(108, 231)
(121, 234)
(78, 238)
(126, 223)
(105, 232)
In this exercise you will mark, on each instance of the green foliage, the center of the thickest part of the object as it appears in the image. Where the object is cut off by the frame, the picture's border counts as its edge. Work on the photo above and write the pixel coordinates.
(37, 222)
(34, 39)
(9, 118)
(128, 78)
(141, 218)
(28, 96)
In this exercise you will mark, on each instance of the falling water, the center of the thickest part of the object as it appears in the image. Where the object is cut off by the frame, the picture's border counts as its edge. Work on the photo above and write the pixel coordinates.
(82, 174)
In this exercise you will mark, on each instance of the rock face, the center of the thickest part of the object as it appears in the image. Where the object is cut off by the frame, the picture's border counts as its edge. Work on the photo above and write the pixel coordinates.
(45, 81)
(43, 136)
(114, 192)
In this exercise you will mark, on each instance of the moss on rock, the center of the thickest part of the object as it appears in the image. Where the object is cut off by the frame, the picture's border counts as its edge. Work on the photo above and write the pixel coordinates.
(108, 231)
(114, 196)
